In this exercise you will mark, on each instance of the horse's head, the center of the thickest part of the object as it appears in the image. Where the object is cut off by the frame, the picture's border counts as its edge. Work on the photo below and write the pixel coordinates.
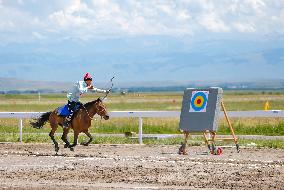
(101, 109)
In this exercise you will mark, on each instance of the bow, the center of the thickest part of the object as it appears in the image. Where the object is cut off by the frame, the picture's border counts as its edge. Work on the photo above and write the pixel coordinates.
(109, 88)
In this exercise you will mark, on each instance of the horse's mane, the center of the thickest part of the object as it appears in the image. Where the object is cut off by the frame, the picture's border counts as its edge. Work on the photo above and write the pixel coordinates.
(88, 104)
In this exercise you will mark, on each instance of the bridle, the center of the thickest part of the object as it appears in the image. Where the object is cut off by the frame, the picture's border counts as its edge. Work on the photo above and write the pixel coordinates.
(101, 110)
(87, 112)
(104, 109)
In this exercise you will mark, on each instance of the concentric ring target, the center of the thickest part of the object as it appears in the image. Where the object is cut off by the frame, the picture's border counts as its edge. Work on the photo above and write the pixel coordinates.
(199, 101)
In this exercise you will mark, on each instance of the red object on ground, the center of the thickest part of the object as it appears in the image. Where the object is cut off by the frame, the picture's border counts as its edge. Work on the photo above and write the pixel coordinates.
(219, 151)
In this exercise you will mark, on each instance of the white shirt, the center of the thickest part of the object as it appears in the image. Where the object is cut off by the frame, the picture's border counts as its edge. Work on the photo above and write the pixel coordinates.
(79, 88)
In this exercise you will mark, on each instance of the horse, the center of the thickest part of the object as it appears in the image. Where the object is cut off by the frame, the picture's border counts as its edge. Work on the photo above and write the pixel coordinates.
(81, 122)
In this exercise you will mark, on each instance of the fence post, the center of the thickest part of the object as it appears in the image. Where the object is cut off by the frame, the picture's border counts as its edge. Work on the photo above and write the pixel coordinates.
(140, 130)
(21, 129)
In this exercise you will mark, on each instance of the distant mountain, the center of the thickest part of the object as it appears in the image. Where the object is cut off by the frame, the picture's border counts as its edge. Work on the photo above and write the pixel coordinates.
(146, 58)
(14, 85)
(9, 84)
(20, 85)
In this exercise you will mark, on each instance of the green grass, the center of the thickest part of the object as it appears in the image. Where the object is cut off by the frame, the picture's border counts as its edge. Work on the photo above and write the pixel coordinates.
(234, 100)
(269, 127)
(143, 101)
(27, 107)
(253, 105)
(240, 128)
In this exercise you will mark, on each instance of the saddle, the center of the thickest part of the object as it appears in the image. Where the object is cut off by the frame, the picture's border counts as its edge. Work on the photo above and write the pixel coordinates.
(63, 111)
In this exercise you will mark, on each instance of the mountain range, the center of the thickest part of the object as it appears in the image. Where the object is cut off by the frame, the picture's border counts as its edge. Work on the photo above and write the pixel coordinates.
(146, 59)
(14, 85)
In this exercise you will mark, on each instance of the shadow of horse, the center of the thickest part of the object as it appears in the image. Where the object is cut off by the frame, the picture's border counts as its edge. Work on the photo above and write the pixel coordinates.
(81, 122)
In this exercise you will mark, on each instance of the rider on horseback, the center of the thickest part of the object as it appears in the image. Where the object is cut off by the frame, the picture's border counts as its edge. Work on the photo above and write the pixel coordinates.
(73, 96)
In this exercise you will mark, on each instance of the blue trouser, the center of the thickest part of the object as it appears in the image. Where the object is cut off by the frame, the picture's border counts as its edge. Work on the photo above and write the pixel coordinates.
(71, 107)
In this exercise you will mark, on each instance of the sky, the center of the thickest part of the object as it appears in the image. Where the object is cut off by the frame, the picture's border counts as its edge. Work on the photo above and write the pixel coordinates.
(142, 41)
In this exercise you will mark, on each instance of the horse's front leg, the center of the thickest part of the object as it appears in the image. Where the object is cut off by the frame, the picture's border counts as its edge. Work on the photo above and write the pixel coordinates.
(76, 134)
(90, 138)
(65, 137)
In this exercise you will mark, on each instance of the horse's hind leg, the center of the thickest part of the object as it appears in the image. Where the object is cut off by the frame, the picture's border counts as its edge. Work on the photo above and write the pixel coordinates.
(90, 140)
(56, 147)
(51, 134)
(65, 138)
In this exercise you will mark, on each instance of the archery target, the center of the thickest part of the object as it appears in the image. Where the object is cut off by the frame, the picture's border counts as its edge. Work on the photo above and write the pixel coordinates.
(198, 101)
(200, 109)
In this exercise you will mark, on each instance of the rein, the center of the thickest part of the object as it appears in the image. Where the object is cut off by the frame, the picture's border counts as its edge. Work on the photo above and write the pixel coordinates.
(87, 112)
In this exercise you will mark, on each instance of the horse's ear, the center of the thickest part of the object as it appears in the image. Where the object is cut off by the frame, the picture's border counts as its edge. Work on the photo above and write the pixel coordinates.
(99, 100)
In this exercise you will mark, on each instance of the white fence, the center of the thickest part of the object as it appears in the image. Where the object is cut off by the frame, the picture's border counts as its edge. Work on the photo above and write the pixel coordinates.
(144, 114)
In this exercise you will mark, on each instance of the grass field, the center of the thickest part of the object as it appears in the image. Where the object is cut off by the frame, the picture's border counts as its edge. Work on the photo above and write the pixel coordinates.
(144, 101)
(234, 100)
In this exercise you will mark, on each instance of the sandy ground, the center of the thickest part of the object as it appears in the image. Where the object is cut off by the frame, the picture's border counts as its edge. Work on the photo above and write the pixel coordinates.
(35, 166)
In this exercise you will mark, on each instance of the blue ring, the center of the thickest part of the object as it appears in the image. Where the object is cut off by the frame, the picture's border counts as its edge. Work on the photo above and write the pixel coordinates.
(204, 102)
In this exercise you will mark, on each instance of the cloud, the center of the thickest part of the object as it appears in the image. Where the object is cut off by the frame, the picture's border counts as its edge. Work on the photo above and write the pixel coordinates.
(213, 23)
(244, 27)
(73, 14)
(112, 18)
(256, 5)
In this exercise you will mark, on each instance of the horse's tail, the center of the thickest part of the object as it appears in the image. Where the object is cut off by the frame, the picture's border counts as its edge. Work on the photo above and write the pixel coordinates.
(39, 122)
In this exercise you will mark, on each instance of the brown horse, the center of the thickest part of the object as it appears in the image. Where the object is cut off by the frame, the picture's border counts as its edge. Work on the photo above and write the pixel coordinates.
(81, 122)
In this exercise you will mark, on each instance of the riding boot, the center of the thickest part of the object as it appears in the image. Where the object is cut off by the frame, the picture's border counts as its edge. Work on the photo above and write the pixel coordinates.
(68, 119)
(66, 123)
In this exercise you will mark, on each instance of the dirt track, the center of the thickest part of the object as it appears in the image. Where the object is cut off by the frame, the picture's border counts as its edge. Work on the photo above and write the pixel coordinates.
(34, 166)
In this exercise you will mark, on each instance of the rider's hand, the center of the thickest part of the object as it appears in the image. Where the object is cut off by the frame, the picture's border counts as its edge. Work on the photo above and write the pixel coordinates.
(91, 87)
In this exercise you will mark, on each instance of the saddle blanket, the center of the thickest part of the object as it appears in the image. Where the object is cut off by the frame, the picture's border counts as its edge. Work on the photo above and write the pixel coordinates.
(63, 111)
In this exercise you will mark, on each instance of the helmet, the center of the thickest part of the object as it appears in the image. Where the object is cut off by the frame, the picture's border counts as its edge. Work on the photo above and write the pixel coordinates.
(87, 77)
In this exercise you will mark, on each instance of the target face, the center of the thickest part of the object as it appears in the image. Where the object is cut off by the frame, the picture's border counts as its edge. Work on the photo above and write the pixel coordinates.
(198, 101)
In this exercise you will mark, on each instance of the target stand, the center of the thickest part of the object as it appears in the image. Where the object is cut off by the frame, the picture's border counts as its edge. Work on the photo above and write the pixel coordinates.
(210, 136)
(200, 113)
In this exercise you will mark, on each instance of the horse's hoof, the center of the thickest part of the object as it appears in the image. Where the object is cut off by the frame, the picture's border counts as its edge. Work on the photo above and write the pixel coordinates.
(66, 146)
(72, 149)
(85, 144)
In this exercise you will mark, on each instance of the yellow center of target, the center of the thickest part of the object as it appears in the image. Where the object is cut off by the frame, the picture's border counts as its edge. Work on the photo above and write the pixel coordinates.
(198, 102)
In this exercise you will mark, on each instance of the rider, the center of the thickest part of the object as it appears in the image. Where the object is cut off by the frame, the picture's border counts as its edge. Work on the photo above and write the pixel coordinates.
(74, 94)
